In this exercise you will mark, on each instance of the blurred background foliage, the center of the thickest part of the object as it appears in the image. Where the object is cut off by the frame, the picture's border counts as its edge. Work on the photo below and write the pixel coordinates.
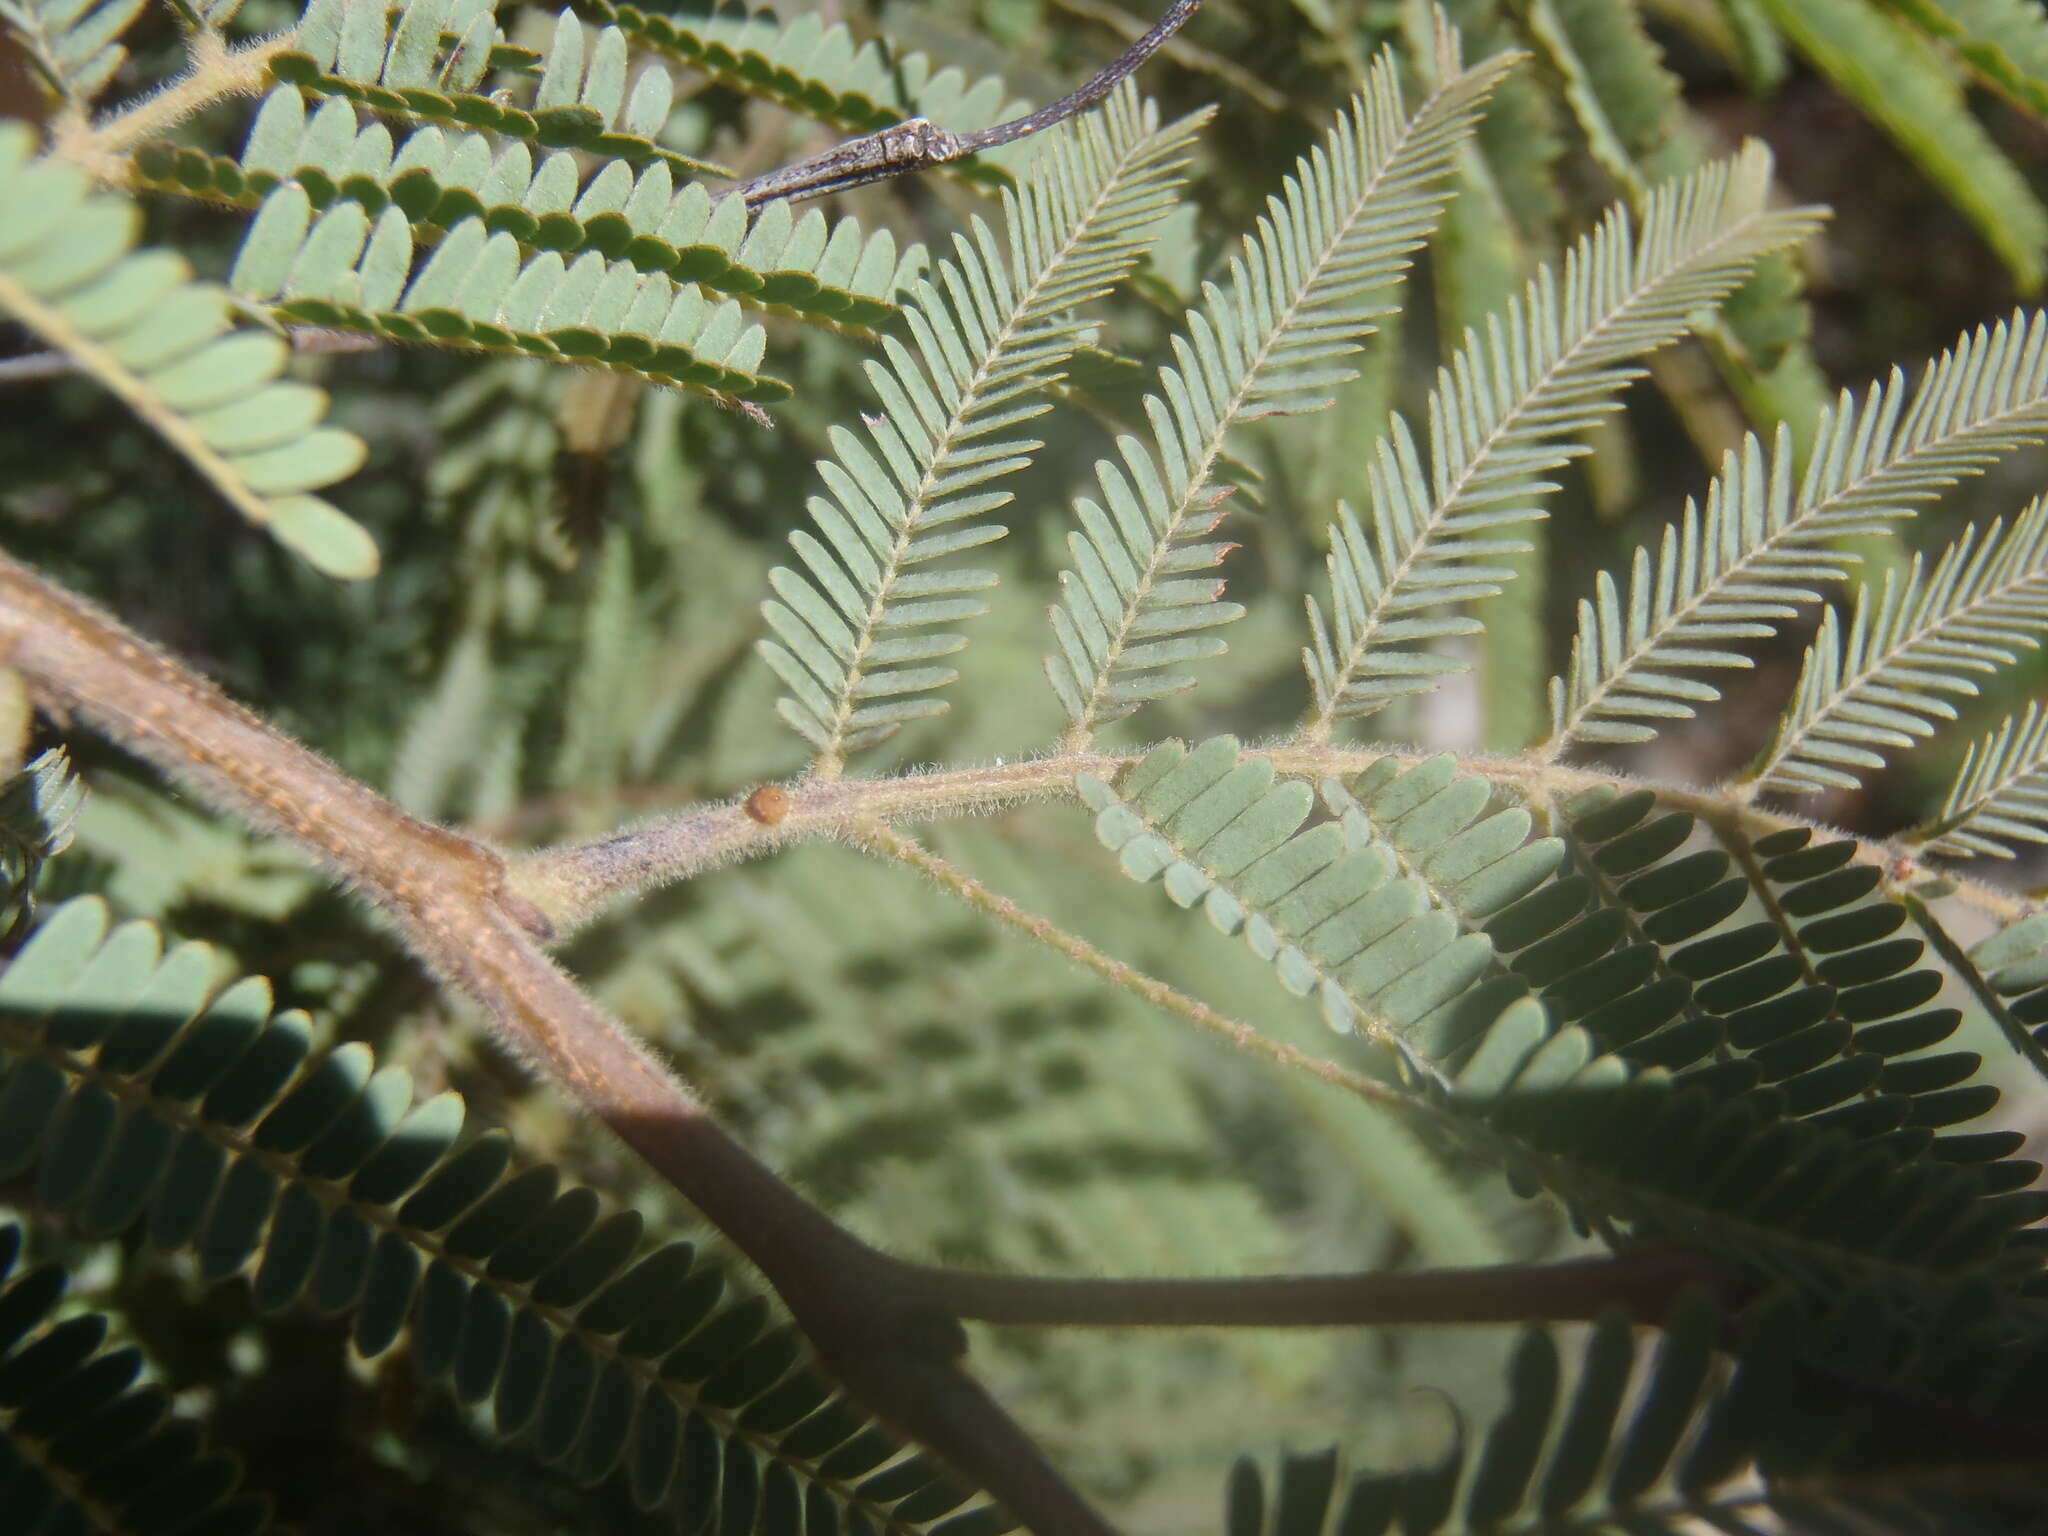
(561, 639)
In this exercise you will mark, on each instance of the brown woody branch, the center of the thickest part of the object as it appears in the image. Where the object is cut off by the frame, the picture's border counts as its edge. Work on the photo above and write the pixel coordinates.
(890, 1331)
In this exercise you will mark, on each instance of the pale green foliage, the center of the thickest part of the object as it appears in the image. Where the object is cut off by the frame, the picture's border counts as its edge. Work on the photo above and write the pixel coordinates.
(1625, 100)
(1503, 417)
(345, 271)
(74, 44)
(399, 63)
(1687, 1023)
(2005, 41)
(166, 346)
(440, 176)
(1919, 638)
(1767, 543)
(1306, 288)
(992, 330)
(1999, 792)
(1331, 907)
(1899, 79)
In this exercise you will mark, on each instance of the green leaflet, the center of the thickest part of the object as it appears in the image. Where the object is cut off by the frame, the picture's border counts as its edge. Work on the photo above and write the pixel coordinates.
(1332, 909)
(1999, 793)
(38, 806)
(1624, 99)
(855, 631)
(1502, 419)
(82, 1445)
(2015, 965)
(1765, 543)
(345, 272)
(1919, 638)
(395, 63)
(1712, 1427)
(73, 44)
(1139, 600)
(440, 176)
(138, 1095)
(1895, 77)
(166, 347)
(2005, 41)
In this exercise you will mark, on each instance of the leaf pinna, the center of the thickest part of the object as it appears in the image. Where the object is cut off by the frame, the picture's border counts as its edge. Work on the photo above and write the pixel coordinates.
(1505, 413)
(167, 347)
(137, 1094)
(1304, 291)
(993, 332)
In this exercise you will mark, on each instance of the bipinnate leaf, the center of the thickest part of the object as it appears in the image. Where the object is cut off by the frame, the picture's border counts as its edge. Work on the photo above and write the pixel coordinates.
(1141, 599)
(1770, 538)
(1510, 410)
(166, 346)
(1914, 645)
(855, 632)
(1999, 795)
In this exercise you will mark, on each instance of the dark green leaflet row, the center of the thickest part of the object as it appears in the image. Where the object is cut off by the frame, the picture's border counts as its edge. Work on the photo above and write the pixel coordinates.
(1521, 1001)
(135, 1095)
(432, 62)
(1611, 1433)
(1660, 948)
(441, 177)
(345, 271)
(82, 1447)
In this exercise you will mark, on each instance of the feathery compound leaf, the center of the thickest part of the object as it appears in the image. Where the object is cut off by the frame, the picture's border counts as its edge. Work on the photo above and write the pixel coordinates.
(1342, 923)
(394, 61)
(2001, 791)
(854, 635)
(2005, 41)
(346, 272)
(1617, 1451)
(1761, 548)
(1354, 211)
(83, 1446)
(1985, 601)
(1502, 417)
(74, 44)
(439, 177)
(1905, 86)
(165, 346)
(38, 807)
(137, 1095)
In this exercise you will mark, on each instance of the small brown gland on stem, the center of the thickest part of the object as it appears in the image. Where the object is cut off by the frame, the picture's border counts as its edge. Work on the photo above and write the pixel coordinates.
(768, 804)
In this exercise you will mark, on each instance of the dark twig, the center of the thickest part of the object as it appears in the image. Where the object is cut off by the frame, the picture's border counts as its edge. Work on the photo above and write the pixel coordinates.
(918, 144)
(1645, 1284)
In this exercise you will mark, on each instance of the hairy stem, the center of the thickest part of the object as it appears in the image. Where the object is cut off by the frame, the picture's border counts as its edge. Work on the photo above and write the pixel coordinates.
(216, 72)
(870, 1319)
(573, 883)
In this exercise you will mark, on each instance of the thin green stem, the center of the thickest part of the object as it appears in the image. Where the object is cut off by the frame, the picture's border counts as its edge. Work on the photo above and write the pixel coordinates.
(886, 842)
